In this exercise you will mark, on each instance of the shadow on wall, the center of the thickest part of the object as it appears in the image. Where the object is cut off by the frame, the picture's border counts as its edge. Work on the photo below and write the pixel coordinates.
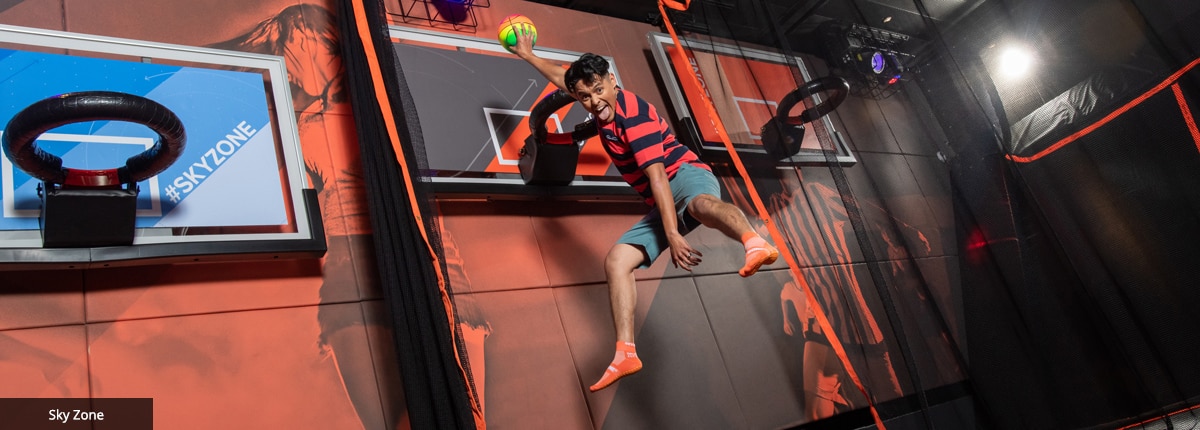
(306, 37)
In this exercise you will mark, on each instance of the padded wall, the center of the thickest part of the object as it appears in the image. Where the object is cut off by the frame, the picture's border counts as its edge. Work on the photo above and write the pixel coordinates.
(274, 344)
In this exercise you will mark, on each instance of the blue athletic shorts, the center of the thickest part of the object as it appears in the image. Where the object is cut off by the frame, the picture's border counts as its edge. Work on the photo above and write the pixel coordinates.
(689, 181)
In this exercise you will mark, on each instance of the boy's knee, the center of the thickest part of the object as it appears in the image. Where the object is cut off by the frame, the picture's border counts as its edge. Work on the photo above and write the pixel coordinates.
(622, 258)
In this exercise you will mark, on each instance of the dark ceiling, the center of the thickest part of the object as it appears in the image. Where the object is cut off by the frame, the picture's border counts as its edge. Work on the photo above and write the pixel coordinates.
(746, 20)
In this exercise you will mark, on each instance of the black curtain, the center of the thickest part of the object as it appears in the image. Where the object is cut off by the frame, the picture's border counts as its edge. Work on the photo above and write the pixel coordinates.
(1078, 269)
(406, 241)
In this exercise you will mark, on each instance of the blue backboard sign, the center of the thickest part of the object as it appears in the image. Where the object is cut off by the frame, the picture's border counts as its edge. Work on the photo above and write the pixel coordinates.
(228, 175)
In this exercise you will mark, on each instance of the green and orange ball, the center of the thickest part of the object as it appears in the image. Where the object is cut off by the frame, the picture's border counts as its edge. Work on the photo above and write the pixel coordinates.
(509, 28)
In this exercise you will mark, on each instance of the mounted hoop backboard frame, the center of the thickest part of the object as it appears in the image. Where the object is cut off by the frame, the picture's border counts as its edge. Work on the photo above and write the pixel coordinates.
(745, 86)
(236, 190)
(473, 100)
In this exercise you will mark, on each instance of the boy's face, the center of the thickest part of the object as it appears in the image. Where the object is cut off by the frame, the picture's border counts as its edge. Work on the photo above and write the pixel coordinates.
(598, 95)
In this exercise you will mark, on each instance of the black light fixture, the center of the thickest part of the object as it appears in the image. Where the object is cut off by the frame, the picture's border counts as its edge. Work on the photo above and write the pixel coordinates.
(872, 59)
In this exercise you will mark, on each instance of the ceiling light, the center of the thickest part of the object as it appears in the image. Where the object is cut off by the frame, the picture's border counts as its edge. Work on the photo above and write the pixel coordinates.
(1015, 61)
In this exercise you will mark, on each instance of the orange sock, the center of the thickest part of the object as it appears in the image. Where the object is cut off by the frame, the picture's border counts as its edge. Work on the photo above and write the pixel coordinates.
(758, 253)
(625, 362)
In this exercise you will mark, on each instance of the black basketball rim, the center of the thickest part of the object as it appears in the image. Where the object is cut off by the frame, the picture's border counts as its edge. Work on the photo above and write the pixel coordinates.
(22, 131)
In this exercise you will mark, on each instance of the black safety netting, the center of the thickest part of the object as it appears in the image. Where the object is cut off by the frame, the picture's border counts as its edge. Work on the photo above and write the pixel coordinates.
(1070, 185)
(985, 248)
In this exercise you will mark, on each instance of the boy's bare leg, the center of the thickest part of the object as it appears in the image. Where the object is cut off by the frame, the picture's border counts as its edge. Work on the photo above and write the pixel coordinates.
(622, 289)
(728, 219)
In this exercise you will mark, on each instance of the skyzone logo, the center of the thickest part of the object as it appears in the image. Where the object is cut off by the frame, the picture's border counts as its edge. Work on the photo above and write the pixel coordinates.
(209, 162)
(699, 77)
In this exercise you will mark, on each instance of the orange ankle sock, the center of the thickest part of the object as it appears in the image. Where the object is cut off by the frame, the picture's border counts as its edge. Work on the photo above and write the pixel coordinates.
(625, 362)
(758, 253)
(751, 239)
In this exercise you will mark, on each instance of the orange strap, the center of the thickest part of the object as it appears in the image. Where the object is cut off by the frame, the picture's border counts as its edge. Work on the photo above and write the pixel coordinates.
(776, 235)
(1187, 114)
(364, 34)
(1105, 120)
(1159, 418)
(676, 5)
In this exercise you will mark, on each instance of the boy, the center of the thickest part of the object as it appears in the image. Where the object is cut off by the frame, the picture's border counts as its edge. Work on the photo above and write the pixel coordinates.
(669, 176)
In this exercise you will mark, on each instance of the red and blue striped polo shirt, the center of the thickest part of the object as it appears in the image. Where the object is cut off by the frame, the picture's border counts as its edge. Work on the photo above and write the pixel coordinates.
(637, 137)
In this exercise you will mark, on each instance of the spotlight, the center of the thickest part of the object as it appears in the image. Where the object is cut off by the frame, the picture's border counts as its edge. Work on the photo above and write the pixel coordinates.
(871, 62)
(1015, 62)
(877, 62)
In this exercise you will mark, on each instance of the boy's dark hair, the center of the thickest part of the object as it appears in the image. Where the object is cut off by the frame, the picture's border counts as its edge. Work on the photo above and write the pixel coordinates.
(587, 68)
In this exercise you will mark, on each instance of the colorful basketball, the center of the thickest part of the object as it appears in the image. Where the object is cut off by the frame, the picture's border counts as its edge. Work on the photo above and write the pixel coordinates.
(509, 28)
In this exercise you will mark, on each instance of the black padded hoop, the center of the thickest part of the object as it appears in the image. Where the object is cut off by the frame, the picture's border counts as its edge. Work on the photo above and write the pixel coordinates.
(782, 134)
(547, 106)
(836, 86)
(25, 127)
(550, 158)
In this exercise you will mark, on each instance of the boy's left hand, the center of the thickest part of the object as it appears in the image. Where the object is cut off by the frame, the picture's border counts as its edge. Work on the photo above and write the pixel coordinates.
(524, 46)
(682, 254)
